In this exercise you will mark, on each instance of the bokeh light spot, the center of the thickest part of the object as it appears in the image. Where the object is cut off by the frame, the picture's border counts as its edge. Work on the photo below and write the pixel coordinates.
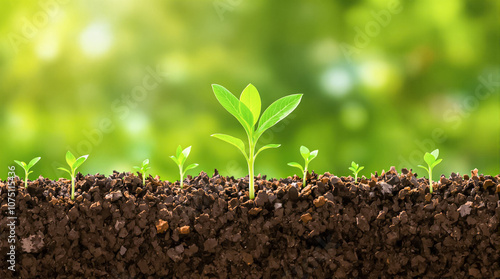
(96, 39)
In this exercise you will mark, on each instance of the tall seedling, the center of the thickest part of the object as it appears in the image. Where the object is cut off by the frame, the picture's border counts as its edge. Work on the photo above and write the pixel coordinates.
(247, 111)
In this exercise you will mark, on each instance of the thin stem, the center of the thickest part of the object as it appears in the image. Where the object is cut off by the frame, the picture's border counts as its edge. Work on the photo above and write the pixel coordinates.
(355, 178)
(72, 187)
(251, 161)
(26, 180)
(430, 181)
(304, 179)
(144, 179)
(181, 175)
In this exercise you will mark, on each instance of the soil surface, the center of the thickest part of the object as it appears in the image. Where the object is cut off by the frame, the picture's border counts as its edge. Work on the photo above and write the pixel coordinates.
(386, 226)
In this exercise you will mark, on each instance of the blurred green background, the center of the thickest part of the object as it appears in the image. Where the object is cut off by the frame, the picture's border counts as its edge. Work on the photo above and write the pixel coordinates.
(383, 81)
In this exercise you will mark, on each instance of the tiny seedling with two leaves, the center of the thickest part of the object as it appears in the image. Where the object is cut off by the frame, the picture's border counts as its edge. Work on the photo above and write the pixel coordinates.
(180, 158)
(355, 168)
(143, 169)
(247, 111)
(27, 168)
(73, 164)
(308, 157)
(432, 160)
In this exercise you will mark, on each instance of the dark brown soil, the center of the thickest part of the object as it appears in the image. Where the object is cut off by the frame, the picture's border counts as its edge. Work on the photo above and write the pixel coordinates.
(388, 226)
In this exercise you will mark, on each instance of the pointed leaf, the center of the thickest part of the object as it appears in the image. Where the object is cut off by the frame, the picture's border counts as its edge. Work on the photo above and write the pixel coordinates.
(234, 141)
(33, 162)
(66, 171)
(178, 151)
(352, 169)
(277, 111)
(145, 162)
(435, 163)
(251, 98)
(30, 172)
(360, 169)
(192, 166)
(424, 168)
(175, 160)
(429, 158)
(296, 165)
(313, 155)
(304, 151)
(186, 151)
(354, 165)
(435, 153)
(21, 164)
(80, 161)
(232, 105)
(137, 168)
(70, 159)
(267, 146)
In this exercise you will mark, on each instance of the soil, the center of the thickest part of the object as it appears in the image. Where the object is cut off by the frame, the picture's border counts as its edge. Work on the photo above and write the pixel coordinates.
(386, 226)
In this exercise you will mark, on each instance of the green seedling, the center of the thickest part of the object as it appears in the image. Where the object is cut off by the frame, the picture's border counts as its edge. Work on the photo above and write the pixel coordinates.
(179, 158)
(27, 168)
(247, 111)
(73, 164)
(355, 168)
(308, 157)
(143, 169)
(432, 160)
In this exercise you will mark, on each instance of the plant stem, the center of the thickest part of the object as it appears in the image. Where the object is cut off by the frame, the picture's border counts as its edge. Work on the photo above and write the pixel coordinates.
(251, 161)
(430, 181)
(26, 180)
(355, 178)
(73, 187)
(181, 175)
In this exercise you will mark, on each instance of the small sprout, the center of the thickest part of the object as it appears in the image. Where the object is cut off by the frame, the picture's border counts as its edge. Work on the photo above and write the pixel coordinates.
(355, 168)
(143, 169)
(247, 111)
(27, 168)
(179, 158)
(73, 164)
(432, 160)
(308, 157)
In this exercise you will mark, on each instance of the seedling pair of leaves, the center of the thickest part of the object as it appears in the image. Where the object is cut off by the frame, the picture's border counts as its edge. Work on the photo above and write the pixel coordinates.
(143, 169)
(73, 164)
(355, 168)
(27, 168)
(180, 158)
(247, 111)
(308, 157)
(432, 160)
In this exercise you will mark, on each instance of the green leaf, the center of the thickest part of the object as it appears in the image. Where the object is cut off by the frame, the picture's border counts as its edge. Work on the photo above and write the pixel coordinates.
(251, 98)
(66, 171)
(267, 146)
(33, 162)
(435, 153)
(178, 151)
(175, 160)
(277, 111)
(192, 166)
(137, 168)
(145, 162)
(360, 169)
(429, 158)
(22, 164)
(234, 141)
(304, 151)
(186, 151)
(435, 163)
(354, 165)
(352, 169)
(70, 159)
(30, 172)
(80, 161)
(241, 112)
(313, 155)
(424, 168)
(296, 165)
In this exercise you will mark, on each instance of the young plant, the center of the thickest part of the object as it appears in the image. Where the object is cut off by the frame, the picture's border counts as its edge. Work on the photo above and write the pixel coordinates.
(73, 163)
(143, 169)
(27, 168)
(432, 160)
(247, 111)
(355, 168)
(179, 158)
(308, 157)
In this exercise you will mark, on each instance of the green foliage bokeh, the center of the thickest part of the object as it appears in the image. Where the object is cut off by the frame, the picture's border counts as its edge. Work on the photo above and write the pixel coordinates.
(383, 82)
